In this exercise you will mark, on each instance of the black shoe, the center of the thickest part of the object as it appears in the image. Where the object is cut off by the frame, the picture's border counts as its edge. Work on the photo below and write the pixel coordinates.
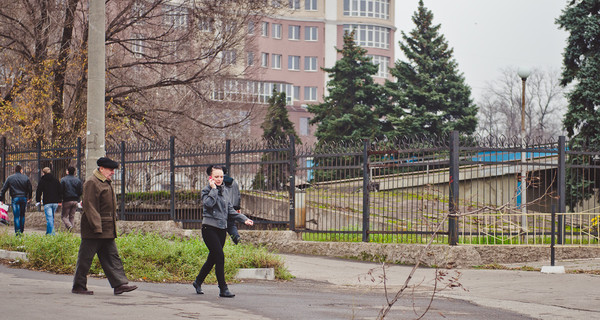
(81, 291)
(197, 287)
(124, 288)
(225, 293)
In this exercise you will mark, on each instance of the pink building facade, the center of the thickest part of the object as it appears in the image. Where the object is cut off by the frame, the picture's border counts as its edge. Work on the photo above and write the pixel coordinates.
(291, 48)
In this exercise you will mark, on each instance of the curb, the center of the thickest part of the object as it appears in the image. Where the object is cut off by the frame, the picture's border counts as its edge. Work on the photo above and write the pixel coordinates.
(256, 273)
(13, 255)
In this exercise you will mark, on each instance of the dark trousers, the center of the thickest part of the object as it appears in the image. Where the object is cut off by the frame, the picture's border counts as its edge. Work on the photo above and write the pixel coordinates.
(214, 238)
(68, 213)
(232, 228)
(108, 257)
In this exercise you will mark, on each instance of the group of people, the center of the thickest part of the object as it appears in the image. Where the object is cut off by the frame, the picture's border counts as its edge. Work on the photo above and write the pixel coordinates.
(50, 193)
(221, 208)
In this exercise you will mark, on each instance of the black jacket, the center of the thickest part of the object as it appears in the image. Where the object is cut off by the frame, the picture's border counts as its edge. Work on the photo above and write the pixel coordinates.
(49, 186)
(71, 187)
(19, 186)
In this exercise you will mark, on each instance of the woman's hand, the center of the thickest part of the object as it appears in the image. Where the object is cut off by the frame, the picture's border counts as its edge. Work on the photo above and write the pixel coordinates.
(211, 181)
(249, 222)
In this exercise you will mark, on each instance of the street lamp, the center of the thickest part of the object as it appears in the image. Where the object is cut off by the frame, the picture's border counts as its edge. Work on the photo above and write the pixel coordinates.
(523, 74)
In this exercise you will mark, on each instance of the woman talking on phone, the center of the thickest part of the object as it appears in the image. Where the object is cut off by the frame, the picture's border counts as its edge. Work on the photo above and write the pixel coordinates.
(216, 209)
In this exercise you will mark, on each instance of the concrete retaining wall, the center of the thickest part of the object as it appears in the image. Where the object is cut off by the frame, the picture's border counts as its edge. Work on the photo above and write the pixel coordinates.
(443, 256)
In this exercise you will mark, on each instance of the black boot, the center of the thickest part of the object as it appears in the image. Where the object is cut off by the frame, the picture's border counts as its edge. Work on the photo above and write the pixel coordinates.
(225, 293)
(198, 288)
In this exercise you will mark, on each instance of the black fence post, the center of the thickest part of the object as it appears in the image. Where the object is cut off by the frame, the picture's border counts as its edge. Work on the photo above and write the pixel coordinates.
(454, 190)
(562, 184)
(292, 190)
(39, 160)
(79, 158)
(228, 156)
(3, 168)
(366, 215)
(123, 168)
(172, 174)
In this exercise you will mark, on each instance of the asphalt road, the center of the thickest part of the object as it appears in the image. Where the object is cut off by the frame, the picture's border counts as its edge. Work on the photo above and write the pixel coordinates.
(30, 294)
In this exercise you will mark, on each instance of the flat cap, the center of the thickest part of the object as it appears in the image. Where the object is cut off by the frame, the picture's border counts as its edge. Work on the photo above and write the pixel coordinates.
(107, 163)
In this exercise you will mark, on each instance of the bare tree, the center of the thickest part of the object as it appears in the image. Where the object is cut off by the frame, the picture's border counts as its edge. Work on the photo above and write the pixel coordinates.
(164, 61)
(545, 104)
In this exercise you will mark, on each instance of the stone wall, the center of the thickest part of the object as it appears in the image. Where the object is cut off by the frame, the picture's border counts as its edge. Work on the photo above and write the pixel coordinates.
(443, 256)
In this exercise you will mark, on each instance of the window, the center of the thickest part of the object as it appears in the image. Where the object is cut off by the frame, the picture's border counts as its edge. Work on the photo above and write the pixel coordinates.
(265, 29)
(251, 27)
(229, 56)
(383, 63)
(137, 46)
(369, 35)
(294, 4)
(311, 33)
(276, 61)
(175, 17)
(294, 32)
(276, 32)
(250, 58)
(310, 64)
(205, 24)
(367, 8)
(304, 126)
(296, 91)
(293, 62)
(310, 5)
(137, 11)
(264, 60)
(310, 93)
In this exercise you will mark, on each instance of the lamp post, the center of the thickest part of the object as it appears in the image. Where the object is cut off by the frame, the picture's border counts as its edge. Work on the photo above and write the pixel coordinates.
(523, 74)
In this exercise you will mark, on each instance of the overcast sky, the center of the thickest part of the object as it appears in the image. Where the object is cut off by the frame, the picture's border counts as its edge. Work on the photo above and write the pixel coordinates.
(490, 35)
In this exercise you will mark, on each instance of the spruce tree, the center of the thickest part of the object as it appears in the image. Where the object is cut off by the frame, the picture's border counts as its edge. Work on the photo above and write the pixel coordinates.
(277, 128)
(277, 124)
(581, 67)
(354, 105)
(430, 94)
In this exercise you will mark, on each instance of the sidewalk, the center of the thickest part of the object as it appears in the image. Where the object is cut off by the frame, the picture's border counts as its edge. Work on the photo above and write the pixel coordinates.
(543, 296)
(536, 294)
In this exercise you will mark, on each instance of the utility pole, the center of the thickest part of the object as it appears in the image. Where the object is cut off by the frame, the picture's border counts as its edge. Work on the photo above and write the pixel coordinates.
(95, 134)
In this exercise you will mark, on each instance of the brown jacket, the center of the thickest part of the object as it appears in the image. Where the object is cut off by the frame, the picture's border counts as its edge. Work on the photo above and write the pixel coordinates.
(99, 218)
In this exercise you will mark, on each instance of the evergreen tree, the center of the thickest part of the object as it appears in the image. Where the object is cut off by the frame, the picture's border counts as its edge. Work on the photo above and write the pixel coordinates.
(355, 102)
(581, 66)
(277, 127)
(277, 124)
(430, 95)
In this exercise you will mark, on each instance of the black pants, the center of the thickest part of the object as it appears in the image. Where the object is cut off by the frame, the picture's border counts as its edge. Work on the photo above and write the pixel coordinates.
(214, 238)
(109, 259)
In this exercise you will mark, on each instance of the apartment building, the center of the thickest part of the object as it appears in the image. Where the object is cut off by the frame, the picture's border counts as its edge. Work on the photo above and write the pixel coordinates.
(290, 48)
(285, 49)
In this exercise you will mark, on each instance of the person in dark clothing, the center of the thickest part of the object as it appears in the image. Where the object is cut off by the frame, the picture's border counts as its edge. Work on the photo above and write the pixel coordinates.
(215, 211)
(72, 188)
(232, 191)
(20, 193)
(99, 230)
(49, 187)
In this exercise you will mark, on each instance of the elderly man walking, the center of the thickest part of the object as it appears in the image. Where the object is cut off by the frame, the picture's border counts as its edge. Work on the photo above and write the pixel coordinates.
(99, 230)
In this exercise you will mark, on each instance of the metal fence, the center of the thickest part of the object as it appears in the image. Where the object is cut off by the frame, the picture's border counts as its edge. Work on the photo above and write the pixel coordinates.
(443, 189)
